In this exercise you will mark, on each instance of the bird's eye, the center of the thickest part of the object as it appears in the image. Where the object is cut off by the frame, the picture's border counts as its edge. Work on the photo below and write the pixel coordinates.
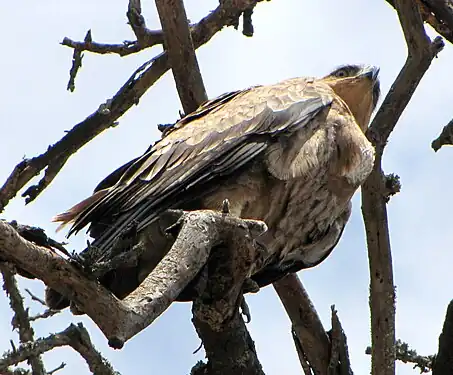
(341, 73)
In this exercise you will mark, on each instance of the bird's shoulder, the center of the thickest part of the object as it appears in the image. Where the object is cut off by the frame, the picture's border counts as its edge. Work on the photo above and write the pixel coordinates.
(233, 108)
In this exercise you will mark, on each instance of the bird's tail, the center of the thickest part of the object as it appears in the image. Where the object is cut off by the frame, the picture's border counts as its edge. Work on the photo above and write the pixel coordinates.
(74, 212)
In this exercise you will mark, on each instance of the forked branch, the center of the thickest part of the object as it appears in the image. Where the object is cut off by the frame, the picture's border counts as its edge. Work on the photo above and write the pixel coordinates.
(200, 232)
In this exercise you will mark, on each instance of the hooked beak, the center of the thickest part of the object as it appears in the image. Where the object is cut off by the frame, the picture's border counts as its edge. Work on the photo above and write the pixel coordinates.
(370, 72)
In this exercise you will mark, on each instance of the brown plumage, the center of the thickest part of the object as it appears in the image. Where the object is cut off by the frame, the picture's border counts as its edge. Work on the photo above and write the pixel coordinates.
(291, 154)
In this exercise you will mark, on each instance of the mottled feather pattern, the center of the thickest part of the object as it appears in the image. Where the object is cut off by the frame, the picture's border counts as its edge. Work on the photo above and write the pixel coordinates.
(291, 154)
(246, 116)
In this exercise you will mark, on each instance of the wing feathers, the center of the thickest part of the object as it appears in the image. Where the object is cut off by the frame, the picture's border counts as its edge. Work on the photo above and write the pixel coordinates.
(219, 138)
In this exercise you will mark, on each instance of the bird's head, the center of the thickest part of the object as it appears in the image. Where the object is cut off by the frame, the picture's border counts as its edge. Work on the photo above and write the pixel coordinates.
(359, 88)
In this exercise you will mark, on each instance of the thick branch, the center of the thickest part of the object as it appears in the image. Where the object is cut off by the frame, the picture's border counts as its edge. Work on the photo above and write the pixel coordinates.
(421, 51)
(228, 345)
(121, 320)
(107, 114)
(443, 364)
(305, 321)
(181, 54)
(75, 336)
(21, 319)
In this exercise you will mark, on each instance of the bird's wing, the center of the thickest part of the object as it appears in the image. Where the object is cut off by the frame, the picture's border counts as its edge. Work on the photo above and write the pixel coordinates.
(207, 145)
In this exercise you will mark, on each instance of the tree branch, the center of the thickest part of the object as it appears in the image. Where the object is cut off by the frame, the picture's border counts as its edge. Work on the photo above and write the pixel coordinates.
(421, 51)
(407, 355)
(21, 320)
(108, 113)
(305, 322)
(122, 49)
(438, 14)
(228, 345)
(443, 364)
(75, 336)
(120, 320)
(181, 54)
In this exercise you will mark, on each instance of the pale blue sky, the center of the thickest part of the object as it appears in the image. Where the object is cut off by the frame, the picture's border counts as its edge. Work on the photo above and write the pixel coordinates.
(291, 39)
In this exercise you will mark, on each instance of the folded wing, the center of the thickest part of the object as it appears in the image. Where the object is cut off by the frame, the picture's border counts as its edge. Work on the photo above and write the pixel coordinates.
(194, 156)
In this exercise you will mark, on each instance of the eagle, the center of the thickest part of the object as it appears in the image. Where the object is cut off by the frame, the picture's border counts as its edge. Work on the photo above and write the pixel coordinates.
(291, 154)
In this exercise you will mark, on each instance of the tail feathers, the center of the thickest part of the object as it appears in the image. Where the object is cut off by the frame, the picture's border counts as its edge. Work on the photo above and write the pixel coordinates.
(74, 212)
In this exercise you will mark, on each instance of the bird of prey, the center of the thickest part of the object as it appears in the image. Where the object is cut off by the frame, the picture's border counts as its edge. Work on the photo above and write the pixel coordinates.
(291, 154)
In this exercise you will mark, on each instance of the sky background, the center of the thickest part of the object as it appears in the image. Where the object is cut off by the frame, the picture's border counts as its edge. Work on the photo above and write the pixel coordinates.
(292, 38)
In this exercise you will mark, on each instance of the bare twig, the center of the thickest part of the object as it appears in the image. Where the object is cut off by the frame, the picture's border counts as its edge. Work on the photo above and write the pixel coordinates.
(154, 37)
(107, 114)
(58, 368)
(121, 320)
(305, 322)
(146, 38)
(339, 348)
(46, 314)
(445, 138)
(21, 320)
(35, 298)
(181, 54)
(421, 52)
(75, 336)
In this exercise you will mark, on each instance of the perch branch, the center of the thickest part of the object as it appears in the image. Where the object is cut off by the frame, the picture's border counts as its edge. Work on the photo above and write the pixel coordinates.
(305, 322)
(421, 52)
(228, 345)
(107, 114)
(181, 54)
(21, 320)
(121, 320)
(75, 336)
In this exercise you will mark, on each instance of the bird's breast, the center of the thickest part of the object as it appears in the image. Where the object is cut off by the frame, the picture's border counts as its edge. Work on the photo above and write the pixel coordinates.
(302, 217)
(308, 199)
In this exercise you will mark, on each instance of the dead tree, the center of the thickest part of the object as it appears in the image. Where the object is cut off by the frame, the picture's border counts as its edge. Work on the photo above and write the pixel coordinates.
(229, 347)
